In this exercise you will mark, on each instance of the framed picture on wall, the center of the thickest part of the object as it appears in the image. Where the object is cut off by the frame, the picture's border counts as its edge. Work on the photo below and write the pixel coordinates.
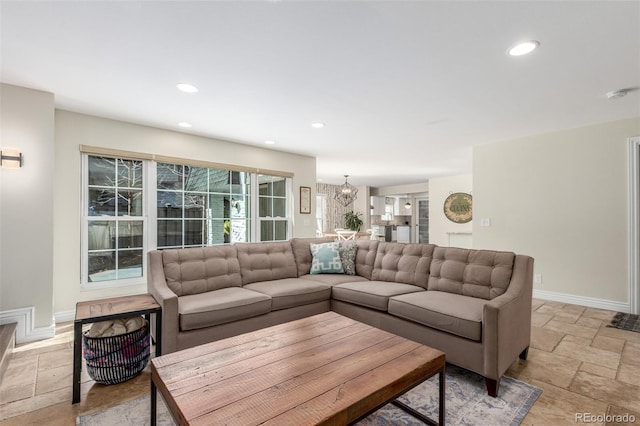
(305, 200)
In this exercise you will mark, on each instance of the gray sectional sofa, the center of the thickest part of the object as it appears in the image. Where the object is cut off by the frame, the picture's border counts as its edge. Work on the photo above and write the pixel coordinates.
(474, 305)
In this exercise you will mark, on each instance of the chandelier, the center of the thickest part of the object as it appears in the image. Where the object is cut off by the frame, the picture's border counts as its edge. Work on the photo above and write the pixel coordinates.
(346, 193)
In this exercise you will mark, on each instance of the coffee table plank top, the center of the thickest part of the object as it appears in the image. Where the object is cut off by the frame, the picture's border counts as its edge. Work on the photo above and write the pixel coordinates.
(326, 369)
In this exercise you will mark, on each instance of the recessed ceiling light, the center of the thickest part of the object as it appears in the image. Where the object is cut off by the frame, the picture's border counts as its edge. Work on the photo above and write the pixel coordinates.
(317, 125)
(184, 124)
(523, 48)
(270, 142)
(186, 87)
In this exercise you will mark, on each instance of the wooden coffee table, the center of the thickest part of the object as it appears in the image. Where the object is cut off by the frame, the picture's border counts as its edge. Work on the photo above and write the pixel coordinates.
(324, 369)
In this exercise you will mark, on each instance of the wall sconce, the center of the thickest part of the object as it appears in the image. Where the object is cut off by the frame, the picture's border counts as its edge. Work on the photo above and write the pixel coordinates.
(11, 158)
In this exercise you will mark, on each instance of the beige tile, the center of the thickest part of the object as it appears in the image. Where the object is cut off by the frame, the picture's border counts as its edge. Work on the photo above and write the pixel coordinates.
(622, 416)
(55, 359)
(589, 322)
(601, 314)
(608, 344)
(588, 354)
(574, 308)
(539, 320)
(577, 340)
(572, 329)
(631, 353)
(629, 374)
(616, 333)
(53, 379)
(557, 406)
(547, 367)
(544, 339)
(598, 370)
(19, 380)
(611, 391)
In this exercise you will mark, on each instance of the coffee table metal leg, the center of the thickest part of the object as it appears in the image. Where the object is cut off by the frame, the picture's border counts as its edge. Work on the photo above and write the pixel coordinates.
(418, 415)
(77, 363)
(441, 410)
(154, 403)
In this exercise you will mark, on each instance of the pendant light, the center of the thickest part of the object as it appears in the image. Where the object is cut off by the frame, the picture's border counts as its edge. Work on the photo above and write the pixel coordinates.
(346, 194)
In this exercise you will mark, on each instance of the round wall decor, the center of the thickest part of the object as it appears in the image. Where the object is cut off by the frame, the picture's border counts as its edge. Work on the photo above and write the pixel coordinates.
(458, 207)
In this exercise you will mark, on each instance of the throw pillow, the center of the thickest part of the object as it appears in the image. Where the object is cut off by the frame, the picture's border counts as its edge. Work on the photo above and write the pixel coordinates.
(326, 259)
(348, 257)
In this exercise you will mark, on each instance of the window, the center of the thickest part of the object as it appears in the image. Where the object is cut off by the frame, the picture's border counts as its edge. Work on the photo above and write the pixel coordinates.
(273, 207)
(131, 206)
(199, 206)
(114, 216)
(321, 208)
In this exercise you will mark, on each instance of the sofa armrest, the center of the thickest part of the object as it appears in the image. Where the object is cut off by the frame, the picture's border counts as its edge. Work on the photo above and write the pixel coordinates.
(506, 320)
(167, 299)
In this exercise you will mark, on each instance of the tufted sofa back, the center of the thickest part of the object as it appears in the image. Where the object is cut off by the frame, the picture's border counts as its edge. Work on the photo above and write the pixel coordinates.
(266, 261)
(201, 269)
(302, 252)
(365, 257)
(403, 263)
(478, 273)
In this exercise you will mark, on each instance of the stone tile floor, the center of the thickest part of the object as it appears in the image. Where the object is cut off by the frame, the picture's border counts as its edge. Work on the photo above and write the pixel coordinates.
(585, 369)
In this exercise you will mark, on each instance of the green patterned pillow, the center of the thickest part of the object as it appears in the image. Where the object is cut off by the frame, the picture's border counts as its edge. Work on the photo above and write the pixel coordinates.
(326, 259)
(348, 256)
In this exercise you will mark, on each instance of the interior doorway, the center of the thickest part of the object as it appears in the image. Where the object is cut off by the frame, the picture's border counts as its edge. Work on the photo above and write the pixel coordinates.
(634, 225)
(422, 220)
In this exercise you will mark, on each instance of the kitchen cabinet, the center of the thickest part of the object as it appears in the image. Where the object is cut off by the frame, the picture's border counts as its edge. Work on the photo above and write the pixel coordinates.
(399, 208)
(378, 204)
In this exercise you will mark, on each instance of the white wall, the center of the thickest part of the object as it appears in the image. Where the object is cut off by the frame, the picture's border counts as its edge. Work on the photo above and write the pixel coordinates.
(439, 225)
(562, 198)
(26, 205)
(72, 130)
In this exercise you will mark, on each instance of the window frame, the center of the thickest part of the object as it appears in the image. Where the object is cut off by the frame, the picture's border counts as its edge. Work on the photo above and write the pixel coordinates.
(149, 201)
(85, 284)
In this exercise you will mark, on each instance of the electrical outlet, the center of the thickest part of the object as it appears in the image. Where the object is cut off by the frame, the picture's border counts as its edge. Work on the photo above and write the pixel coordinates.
(485, 221)
(537, 279)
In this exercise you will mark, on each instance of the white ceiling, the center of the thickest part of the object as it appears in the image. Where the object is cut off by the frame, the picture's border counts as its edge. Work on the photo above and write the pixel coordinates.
(406, 89)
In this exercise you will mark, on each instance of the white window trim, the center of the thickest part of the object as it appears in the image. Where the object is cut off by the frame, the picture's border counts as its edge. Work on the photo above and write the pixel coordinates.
(84, 245)
(149, 215)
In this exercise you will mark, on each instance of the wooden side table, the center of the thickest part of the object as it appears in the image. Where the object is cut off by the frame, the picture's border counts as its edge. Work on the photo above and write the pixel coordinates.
(106, 309)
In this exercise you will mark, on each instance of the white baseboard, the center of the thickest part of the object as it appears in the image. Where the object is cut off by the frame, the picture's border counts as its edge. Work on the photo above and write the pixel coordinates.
(25, 330)
(65, 316)
(582, 300)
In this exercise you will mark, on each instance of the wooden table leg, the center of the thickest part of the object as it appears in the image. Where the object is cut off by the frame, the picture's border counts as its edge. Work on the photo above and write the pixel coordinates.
(77, 362)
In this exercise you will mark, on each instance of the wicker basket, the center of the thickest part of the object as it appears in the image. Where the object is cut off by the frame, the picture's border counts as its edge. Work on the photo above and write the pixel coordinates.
(115, 359)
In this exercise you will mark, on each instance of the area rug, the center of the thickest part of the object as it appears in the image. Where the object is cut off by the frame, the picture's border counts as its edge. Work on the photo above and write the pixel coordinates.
(624, 321)
(467, 403)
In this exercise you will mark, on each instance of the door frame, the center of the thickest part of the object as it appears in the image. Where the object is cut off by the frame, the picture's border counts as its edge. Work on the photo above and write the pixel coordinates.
(634, 225)
(416, 217)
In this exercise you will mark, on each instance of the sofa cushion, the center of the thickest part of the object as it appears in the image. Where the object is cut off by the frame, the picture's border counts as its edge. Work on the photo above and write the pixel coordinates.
(403, 263)
(372, 294)
(348, 250)
(334, 279)
(291, 292)
(201, 269)
(220, 306)
(365, 257)
(302, 252)
(266, 261)
(326, 258)
(453, 313)
(477, 273)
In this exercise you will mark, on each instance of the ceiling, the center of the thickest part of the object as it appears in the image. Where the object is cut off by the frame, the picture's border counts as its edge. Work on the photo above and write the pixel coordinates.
(405, 89)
